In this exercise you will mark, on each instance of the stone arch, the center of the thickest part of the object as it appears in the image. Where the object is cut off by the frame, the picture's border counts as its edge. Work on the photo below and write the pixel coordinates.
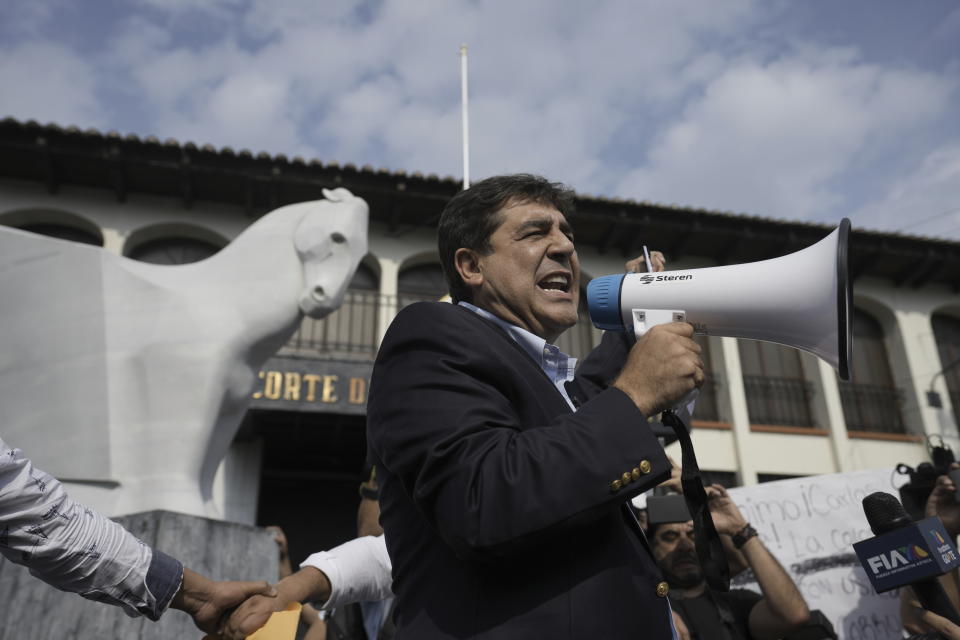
(946, 332)
(774, 379)
(55, 223)
(420, 277)
(368, 274)
(872, 400)
(173, 244)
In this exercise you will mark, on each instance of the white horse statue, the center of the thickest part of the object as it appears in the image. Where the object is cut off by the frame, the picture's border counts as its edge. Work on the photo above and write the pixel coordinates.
(132, 378)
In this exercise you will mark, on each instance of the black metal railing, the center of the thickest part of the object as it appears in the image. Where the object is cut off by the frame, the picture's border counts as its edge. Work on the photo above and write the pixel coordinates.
(780, 401)
(406, 299)
(870, 407)
(349, 332)
(707, 408)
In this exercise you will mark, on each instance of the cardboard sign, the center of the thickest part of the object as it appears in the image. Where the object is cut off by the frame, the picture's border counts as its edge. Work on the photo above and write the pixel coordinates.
(810, 525)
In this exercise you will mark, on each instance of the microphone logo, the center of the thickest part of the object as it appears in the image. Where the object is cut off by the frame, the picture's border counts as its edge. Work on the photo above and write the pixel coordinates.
(897, 559)
(646, 279)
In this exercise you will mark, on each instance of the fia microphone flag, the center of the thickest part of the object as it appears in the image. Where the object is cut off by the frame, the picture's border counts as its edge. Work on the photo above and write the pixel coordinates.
(904, 556)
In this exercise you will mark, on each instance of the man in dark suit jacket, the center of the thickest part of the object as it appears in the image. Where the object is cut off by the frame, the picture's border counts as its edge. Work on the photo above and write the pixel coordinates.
(504, 479)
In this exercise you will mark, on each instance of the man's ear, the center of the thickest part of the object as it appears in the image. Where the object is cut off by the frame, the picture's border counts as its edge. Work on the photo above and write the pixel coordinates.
(467, 262)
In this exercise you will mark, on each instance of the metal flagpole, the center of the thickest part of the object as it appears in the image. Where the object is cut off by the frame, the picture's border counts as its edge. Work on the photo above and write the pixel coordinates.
(464, 119)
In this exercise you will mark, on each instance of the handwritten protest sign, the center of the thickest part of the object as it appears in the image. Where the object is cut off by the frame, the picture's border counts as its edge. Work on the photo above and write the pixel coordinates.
(809, 524)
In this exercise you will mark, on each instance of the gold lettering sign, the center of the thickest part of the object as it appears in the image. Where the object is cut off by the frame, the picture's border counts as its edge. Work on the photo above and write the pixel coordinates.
(329, 391)
(291, 382)
(358, 391)
(312, 379)
(294, 386)
(273, 385)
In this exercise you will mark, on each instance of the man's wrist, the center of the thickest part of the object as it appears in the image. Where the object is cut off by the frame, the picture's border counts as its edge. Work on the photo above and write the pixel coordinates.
(309, 584)
(193, 592)
(643, 403)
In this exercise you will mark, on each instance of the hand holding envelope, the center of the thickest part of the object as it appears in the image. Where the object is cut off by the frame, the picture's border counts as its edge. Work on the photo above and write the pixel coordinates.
(282, 625)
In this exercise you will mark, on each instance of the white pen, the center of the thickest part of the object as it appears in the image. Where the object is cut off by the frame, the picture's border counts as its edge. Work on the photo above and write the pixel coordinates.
(646, 258)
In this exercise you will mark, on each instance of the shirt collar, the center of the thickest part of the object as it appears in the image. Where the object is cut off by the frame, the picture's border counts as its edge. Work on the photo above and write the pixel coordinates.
(558, 366)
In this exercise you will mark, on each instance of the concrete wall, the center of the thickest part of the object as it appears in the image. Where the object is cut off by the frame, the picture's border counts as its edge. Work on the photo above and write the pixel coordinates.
(32, 609)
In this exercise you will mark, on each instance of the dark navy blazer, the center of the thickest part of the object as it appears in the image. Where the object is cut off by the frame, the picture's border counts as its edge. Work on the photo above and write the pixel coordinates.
(500, 507)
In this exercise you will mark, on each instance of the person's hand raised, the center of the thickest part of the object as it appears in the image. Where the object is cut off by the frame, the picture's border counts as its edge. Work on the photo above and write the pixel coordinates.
(942, 502)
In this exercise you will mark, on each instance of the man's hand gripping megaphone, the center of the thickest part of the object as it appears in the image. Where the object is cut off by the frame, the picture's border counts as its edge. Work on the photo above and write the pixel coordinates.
(646, 319)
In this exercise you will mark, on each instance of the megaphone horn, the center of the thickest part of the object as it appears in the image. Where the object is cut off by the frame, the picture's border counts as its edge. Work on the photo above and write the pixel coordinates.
(802, 300)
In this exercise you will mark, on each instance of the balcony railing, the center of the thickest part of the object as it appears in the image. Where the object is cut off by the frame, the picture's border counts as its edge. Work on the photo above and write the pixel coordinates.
(406, 299)
(870, 407)
(349, 332)
(706, 408)
(780, 401)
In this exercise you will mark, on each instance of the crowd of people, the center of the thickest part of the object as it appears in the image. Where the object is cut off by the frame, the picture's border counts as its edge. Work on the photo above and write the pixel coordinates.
(499, 505)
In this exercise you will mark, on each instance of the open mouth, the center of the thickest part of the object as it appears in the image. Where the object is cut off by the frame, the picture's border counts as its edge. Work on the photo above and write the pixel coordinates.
(556, 282)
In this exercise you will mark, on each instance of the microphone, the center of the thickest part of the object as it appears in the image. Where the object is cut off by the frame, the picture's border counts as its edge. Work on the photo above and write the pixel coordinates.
(907, 553)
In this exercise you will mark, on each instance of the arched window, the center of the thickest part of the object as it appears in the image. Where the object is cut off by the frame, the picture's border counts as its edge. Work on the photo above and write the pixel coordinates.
(773, 379)
(351, 330)
(707, 408)
(64, 232)
(173, 251)
(420, 282)
(871, 401)
(946, 331)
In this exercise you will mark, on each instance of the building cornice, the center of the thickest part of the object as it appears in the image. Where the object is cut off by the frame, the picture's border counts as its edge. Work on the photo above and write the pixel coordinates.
(53, 156)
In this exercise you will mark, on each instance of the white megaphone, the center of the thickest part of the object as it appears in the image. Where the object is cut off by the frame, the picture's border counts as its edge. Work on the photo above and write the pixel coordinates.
(802, 300)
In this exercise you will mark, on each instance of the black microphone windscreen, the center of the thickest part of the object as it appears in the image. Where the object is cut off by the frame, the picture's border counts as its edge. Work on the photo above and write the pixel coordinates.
(884, 513)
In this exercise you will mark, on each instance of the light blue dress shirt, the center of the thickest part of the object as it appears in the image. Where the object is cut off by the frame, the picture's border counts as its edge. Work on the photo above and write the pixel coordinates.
(558, 366)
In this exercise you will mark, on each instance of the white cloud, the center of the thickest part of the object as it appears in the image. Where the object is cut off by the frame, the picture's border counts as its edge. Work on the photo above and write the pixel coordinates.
(771, 139)
(721, 105)
(48, 83)
(924, 202)
(25, 18)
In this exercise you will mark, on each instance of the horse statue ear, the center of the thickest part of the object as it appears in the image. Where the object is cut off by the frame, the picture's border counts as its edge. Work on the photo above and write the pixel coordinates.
(340, 194)
(314, 240)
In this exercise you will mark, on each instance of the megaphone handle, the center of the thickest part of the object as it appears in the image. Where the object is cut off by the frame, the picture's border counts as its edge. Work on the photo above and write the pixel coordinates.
(646, 319)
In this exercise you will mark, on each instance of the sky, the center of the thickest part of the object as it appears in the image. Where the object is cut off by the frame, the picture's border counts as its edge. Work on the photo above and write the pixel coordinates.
(804, 111)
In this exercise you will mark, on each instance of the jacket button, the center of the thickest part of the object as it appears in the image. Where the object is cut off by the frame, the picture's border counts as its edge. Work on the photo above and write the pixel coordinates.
(663, 589)
(644, 466)
(626, 478)
(615, 486)
(635, 473)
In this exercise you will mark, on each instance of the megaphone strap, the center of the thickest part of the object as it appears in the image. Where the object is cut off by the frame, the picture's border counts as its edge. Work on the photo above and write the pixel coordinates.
(706, 539)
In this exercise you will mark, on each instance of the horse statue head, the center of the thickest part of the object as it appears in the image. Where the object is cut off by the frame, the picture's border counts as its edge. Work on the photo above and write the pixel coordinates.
(330, 245)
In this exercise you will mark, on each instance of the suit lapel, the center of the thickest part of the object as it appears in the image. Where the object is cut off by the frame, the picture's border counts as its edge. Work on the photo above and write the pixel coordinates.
(506, 337)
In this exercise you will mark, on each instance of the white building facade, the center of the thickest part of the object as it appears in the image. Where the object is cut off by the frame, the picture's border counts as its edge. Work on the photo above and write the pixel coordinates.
(767, 412)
